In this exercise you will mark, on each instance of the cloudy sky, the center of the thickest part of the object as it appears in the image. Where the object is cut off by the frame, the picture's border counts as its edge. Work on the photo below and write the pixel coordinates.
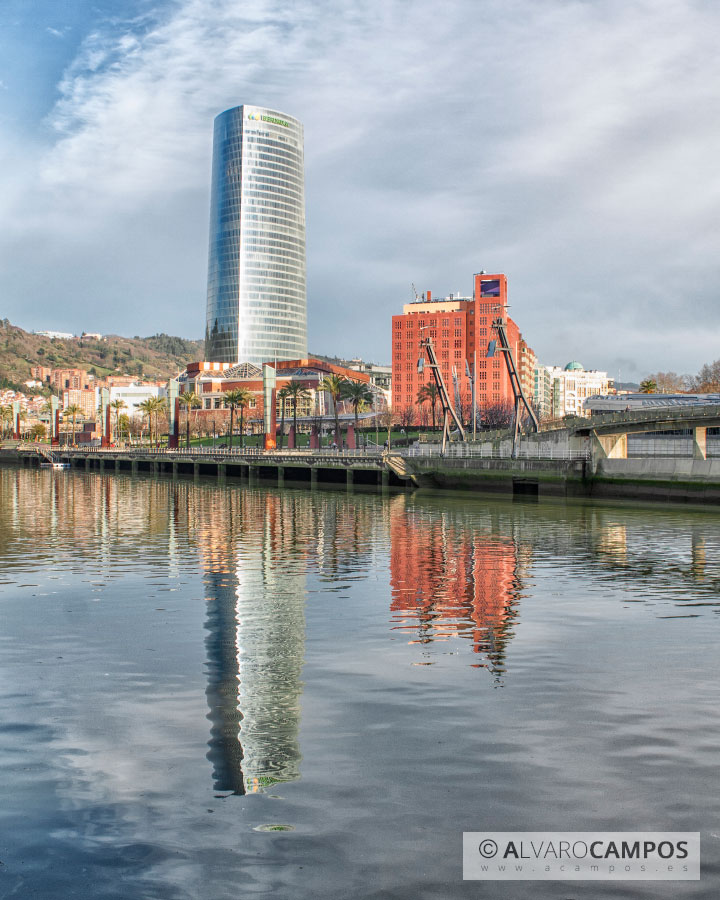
(572, 144)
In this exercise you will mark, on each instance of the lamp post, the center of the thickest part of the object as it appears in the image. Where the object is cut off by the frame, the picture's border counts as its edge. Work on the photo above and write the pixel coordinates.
(471, 376)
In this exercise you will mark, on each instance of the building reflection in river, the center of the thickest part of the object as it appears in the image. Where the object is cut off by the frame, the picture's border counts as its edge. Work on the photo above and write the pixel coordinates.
(255, 594)
(450, 578)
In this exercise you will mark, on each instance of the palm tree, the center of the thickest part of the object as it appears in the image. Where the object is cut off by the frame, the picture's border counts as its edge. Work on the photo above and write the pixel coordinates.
(358, 394)
(159, 405)
(648, 386)
(124, 425)
(117, 405)
(282, 396)
(429, 392)
(147, 409)
(188, 399)
(335, 386)
(73, 410)
(296, 391)
(6, 417)
(239, 397)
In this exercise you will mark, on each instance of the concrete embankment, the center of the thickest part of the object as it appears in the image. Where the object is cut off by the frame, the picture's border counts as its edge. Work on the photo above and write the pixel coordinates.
(664, 478)
(654, 479)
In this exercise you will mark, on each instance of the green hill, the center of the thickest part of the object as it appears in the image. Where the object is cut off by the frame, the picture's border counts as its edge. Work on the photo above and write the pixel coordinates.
(156, 357)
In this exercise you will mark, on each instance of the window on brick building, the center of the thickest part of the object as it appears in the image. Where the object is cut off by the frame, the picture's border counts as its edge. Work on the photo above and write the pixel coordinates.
(446, 332)
(458, 343)
(458, 354)
(458, 320)
(446, 321)
(458, 332)
(446, 343)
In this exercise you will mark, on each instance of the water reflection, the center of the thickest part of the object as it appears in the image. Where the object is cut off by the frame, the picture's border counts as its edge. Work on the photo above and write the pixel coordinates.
(452, 577)
(150, 700)
(255, 594)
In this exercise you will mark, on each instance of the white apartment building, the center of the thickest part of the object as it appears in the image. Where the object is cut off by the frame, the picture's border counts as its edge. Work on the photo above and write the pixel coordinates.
(571, 385)
(135, 394)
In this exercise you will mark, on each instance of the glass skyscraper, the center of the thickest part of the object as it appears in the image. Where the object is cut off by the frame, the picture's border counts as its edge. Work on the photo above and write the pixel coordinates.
(256, 299)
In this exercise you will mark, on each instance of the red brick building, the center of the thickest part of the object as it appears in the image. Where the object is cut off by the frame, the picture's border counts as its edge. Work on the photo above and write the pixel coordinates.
(460, 328)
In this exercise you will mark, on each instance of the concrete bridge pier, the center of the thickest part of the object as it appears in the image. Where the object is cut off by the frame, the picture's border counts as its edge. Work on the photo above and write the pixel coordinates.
(252, 475)
(174, 468)
(155, 467)
(281, 476)
(134, 467)
(196, 470)
(221, 471)
(117, 463)
(87, 462)
(699, 442)
(313, 477)
(385, 479)
(349, 478)
(610, 446)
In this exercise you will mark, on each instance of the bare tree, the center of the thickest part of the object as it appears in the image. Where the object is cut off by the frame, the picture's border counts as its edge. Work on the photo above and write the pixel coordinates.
(707, 381)
(407, 415)
(669, 382)
(498, 415)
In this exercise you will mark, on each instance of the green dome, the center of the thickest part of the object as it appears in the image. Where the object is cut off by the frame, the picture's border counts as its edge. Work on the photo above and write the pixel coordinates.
(574, 366)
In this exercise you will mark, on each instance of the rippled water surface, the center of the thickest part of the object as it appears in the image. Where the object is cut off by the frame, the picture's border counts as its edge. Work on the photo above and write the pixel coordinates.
(213, 691)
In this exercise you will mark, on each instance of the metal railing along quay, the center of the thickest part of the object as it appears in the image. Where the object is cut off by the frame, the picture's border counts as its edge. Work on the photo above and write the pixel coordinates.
(487, 451)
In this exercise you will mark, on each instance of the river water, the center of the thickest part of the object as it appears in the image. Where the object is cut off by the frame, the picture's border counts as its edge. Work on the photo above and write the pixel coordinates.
(213, 691)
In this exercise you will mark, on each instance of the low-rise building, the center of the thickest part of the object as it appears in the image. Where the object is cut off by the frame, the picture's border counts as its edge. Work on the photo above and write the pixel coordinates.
(571, 387)
(211, 381)
(134, 395)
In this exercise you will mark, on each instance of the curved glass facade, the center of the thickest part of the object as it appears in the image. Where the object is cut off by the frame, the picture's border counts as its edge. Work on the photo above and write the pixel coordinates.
(256, 300)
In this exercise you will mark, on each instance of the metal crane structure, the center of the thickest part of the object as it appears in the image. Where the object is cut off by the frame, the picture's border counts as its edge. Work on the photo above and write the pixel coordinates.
(426, 344)
(499, 325)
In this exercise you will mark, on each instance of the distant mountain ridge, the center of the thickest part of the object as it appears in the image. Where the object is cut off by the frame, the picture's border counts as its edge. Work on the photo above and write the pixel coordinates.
(156, 357)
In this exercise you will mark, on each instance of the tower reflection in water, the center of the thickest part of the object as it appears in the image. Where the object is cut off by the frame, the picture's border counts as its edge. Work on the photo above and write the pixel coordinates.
(255, 578)
(453, 575)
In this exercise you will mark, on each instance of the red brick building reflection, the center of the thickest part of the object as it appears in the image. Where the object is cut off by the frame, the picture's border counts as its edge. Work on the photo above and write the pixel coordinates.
(450, 579)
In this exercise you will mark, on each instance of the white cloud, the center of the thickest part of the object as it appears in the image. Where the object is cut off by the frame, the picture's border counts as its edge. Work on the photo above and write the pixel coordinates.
(571, 144)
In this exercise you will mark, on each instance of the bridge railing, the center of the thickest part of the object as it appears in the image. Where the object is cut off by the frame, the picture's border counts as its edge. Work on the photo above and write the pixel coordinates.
(487, 451)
